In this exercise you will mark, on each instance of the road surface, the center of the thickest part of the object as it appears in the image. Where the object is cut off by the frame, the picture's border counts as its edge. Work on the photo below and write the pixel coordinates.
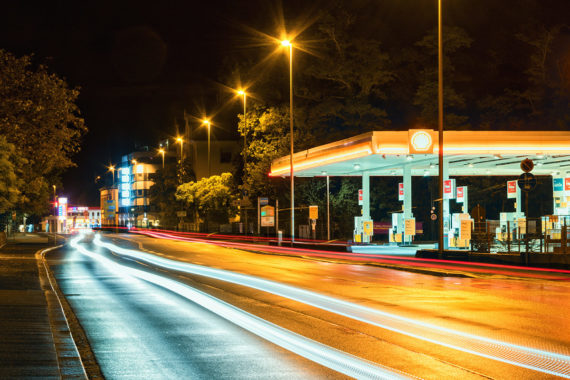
(136, 326)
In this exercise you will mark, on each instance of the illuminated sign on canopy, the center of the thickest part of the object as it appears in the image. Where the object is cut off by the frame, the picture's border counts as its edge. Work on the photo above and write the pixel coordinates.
(420, 141)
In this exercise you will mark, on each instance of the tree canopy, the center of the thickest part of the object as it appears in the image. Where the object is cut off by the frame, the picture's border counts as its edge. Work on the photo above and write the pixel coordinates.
(39, 117)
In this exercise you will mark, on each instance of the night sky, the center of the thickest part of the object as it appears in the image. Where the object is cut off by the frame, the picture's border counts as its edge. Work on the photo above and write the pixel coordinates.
(141, 64)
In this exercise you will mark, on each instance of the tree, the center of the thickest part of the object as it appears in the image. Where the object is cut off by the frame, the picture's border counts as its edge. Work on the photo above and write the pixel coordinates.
(9, 181)
(211, 198)
(163, 194)
(38, 115)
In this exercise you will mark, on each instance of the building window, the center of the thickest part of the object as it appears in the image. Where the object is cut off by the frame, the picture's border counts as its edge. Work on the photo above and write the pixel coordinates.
(225, 157)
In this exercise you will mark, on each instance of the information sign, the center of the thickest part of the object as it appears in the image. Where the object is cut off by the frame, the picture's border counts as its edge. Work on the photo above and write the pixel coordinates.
(410, 227)
(267, 216)
(465, 229)
(368, 227)
(313, 212)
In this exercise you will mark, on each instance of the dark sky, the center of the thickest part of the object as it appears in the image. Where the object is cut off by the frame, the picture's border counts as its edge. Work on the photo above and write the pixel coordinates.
(140, 64)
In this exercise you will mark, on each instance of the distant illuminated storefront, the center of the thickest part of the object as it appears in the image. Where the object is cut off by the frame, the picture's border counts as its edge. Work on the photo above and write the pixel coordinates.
(71, 218)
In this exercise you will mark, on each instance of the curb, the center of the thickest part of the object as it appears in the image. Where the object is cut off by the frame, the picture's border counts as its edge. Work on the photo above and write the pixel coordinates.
(74, 352)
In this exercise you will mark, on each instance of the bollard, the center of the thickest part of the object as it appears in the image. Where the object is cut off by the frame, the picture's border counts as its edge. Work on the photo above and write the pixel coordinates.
(279, 237)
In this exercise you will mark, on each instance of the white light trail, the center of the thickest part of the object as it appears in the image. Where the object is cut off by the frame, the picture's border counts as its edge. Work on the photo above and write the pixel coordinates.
(531, 358)
(327, 356)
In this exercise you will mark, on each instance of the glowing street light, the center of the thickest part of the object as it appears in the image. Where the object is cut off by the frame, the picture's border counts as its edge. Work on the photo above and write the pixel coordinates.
(207, 122)
(244, 94)
(180, 140)
(161, 151)
(112, 170)
(287, 43)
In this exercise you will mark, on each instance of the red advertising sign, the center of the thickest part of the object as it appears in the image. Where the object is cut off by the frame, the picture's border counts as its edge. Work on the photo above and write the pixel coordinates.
(360, 196)
(449, 189)
(511, 189)
(400, 191)
(459, 197)
(567, 184)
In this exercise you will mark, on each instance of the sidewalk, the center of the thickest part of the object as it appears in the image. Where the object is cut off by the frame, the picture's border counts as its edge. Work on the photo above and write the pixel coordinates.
(34, 339)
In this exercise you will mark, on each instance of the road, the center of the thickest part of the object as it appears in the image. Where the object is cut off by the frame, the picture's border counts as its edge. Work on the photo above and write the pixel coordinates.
(431, 326)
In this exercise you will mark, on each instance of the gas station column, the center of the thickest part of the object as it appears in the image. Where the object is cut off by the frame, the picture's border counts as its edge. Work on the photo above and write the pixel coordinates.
(365, 196)
(407, 191)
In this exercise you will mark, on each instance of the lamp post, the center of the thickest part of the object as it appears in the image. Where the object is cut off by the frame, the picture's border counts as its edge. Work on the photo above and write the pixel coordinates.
(112, 170)
(440, 125)
(244, 94)
(207, 122)
(287, 43)
(161, 151)
(180, 140)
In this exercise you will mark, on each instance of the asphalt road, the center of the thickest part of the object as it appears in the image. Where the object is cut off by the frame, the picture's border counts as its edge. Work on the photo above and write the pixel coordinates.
(137, 328)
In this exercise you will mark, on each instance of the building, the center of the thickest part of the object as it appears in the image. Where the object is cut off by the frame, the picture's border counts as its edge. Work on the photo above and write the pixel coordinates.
(134, 182)
(109, 206)
(71, 218)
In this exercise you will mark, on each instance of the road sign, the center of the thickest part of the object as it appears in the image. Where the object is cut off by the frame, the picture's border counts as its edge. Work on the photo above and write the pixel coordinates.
(263, 201)
(527, 165)
(527, 182)
(313, 212)
(433, 216)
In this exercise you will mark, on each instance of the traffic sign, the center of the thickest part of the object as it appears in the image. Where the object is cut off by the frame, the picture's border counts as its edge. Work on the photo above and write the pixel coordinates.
(433, 216)
(526, 182)
(263, 201)
(527, 165)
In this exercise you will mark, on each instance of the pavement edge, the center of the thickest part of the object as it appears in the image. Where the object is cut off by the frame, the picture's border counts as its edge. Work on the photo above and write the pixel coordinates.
(66, 327)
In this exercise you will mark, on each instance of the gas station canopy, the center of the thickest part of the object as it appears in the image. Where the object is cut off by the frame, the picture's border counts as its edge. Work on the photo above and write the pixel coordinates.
(466, 153)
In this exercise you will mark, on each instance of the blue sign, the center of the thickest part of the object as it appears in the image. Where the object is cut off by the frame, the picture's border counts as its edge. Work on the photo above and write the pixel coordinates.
(557, 184)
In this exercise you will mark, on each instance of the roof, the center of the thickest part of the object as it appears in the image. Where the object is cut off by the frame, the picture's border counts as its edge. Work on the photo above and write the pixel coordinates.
(384, 153)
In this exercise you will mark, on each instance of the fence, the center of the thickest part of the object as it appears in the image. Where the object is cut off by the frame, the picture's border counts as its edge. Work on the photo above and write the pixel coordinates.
(532, 235)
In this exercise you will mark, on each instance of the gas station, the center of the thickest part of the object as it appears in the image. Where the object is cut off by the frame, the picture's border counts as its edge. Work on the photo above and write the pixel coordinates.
(466, 153)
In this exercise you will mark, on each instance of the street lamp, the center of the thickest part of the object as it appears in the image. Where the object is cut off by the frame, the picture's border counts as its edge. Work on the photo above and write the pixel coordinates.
(287, 43)
(112, 170)
(244, 94)
(161, 151)
(181, 142)
(207, 122)
(440, 125)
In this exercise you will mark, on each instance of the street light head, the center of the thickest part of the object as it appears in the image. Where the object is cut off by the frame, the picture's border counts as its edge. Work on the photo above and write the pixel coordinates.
(161, 151)
(134, 162)
(206, 121)
(286, 43)
(241, 92)
(179, 139)
(112, 168)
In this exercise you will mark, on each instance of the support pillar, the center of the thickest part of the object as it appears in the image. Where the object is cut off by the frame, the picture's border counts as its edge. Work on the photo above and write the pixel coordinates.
(446, 215)
(365, 196)
(407, 192)
(518, 200)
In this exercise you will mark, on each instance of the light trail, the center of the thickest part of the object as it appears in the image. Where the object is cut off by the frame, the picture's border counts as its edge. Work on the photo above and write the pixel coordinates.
(531, 358)
(486, 268)
(324, 355)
